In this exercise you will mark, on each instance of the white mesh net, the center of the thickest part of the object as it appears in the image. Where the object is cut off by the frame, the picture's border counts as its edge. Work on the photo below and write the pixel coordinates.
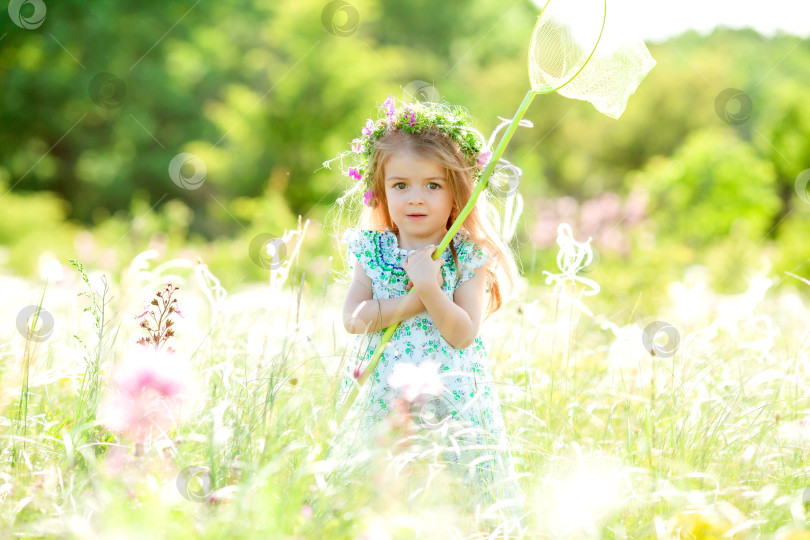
(587, 49)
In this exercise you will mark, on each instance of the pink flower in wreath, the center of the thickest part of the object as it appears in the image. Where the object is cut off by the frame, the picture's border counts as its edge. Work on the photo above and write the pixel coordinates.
(388, 105)
(484, 157)
(367, 196)
(369, 127)
(354, 173)
(357, 146)
(412, 117)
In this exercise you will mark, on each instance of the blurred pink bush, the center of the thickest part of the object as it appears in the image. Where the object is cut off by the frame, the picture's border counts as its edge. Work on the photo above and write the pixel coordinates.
(605, 218)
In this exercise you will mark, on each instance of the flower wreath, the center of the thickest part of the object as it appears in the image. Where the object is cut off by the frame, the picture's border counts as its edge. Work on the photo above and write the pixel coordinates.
(453, 121)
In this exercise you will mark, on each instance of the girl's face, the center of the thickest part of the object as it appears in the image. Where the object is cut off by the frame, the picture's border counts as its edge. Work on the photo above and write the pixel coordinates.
(415, 185)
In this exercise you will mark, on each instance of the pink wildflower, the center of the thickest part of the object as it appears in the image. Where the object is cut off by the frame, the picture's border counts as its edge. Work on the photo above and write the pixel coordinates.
(161, 315)
(368, 196)
(484, 158)
(388, 105)
(354, 173)
(369, 127)
(416, 380)
(412, 119)
(357, 146)
(146, 390)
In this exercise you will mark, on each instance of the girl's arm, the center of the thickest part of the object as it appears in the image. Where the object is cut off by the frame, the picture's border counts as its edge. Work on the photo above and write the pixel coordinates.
(458, 319)
(362, 314)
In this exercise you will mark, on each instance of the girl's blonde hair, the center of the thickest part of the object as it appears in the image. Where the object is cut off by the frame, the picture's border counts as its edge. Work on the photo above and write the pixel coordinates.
(501, 278)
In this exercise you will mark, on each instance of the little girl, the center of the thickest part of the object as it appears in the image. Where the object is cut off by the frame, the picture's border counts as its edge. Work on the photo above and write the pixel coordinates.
(417, 167)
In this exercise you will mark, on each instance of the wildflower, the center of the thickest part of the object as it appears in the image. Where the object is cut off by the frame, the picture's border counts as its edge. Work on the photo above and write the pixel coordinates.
(369, 127)
(416, 380)
(388, 106)
(225, 494)
(411, 117)
(116, 461)
(484, 157)
(701, 523)
(146, 391)
(50, 270)
(375, 531)
(357, 146)
(354, 173)
(368, 196)
(628, 364)
(796, 432)
(164, 307)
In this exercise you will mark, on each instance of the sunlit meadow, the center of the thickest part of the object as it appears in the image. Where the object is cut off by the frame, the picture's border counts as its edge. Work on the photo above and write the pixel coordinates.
(158, 404)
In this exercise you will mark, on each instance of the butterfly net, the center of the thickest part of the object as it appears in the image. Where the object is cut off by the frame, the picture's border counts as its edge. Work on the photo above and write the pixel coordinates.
(588, 50)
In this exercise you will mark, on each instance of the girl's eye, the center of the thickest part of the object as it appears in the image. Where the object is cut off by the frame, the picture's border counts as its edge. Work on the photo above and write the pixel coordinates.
(430, 184)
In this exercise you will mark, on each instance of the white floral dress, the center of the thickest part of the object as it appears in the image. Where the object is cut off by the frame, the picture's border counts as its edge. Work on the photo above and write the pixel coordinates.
(470, 398)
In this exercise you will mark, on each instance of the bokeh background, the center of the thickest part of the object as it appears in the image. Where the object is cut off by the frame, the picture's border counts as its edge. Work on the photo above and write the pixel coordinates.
(244, 101)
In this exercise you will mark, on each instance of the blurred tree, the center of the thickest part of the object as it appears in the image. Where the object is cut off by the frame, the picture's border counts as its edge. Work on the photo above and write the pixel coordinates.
(713, 186)
(98, 101)
(784, 139)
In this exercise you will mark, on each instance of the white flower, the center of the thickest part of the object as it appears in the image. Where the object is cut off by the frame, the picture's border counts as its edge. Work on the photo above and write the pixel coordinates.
(375, 531)
(50, 269)
(416, 380)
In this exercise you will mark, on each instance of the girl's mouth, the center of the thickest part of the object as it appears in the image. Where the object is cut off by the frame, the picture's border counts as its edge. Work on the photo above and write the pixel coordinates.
(417, 217)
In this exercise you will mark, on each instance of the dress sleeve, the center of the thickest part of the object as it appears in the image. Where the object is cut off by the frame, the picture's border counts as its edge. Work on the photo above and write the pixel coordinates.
(470, 258)
(358, 247)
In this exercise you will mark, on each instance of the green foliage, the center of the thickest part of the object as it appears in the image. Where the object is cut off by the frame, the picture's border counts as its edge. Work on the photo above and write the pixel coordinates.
(89, 392)
(32, 223)
(264, 93)
(713, 186)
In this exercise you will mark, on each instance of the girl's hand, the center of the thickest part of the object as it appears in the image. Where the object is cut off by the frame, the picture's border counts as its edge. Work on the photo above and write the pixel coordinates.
(422, 269)
(409, 286)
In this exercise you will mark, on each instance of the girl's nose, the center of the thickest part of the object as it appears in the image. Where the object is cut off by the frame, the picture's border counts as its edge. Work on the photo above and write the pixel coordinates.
(416, 197)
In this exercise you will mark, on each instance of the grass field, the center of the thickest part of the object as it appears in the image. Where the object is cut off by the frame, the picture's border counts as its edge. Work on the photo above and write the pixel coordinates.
(705, 436)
